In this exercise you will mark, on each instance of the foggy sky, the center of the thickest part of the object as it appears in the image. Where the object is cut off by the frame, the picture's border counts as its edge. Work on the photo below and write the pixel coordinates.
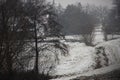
(64, 3)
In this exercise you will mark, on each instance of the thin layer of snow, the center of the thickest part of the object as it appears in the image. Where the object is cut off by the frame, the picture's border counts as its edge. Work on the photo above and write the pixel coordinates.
(73, 37)
(115, 36)
(81, 59)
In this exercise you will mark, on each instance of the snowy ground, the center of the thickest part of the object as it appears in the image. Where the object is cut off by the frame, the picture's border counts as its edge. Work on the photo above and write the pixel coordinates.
(81, 59)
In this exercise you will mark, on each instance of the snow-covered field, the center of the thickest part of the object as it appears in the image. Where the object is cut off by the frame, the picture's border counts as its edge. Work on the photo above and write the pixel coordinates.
(81, 59)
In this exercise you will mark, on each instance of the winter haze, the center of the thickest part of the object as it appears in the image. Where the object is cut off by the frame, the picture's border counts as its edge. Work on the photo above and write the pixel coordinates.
(59, 39)
(64, 3)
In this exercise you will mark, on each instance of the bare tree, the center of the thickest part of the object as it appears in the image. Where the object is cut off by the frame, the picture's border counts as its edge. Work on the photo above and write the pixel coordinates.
(45, 24)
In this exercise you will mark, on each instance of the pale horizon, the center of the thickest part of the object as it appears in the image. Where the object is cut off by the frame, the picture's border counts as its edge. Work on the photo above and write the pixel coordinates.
(64, 3)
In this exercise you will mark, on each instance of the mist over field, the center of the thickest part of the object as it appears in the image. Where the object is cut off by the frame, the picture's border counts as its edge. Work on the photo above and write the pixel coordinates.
(59, 39)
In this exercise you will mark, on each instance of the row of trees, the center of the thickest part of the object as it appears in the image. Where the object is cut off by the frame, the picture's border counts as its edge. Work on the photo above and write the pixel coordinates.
(25, 22)
(112, 22)
(77, 19)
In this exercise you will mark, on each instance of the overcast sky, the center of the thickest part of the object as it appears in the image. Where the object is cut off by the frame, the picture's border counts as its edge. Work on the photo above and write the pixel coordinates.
(64, 3)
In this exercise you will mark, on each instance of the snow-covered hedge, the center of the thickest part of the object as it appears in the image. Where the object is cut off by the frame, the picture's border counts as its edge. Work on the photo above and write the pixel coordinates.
(109, 52)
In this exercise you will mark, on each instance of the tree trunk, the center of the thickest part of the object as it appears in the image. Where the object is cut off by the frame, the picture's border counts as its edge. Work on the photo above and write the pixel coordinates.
(105, 36)
(36, 47)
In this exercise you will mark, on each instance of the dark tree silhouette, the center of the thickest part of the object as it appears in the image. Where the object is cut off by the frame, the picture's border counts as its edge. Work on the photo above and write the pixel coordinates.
(22, 24)
(44, 20)
(14, 30)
